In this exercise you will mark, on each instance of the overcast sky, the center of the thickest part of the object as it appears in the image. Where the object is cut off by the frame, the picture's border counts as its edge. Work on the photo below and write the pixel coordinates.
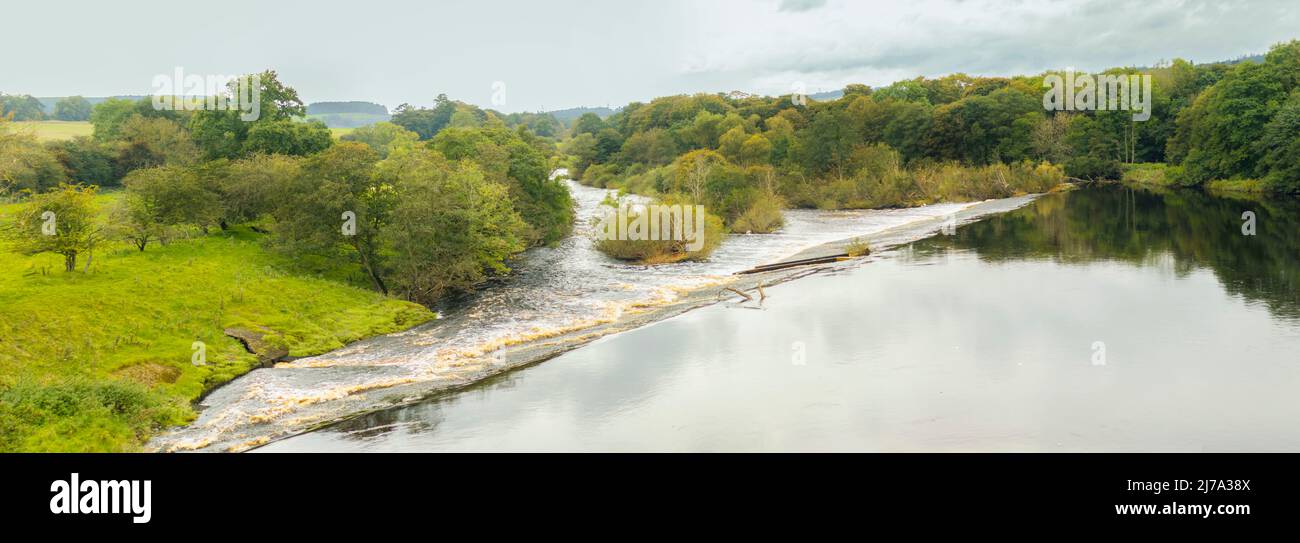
(554, 54)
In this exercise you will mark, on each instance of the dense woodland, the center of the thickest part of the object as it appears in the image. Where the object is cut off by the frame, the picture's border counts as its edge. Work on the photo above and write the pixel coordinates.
(956, 137)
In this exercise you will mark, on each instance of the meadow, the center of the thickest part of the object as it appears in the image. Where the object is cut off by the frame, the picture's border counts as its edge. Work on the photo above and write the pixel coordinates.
(66, 130)
(54, 130)
(101, 358)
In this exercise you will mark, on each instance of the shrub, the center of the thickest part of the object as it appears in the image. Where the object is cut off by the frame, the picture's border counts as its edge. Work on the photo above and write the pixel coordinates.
(857, 247)
(80, 415)
(661, 251)
(762, 217)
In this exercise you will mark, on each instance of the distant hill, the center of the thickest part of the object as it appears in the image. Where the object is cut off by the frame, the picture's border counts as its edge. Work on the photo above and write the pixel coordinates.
(827, 96)
(567, 116)
(351, 114)
(324, 108)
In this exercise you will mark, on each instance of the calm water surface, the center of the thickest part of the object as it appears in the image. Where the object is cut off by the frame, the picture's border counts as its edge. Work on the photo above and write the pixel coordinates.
(1105, 319)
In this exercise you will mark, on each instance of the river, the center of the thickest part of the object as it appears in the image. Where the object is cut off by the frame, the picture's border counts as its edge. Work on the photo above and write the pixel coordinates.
(1102, 319)
(556, 299)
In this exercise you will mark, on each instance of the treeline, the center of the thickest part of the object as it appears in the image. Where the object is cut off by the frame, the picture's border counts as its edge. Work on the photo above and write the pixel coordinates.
(369, 108)
(448, 113)
(27, 108)
(415, 216)
(954, 137)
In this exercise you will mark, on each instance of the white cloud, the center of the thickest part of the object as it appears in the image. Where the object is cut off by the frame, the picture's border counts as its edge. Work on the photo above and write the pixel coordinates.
(563, 53)
(877, 43)
(800, 5)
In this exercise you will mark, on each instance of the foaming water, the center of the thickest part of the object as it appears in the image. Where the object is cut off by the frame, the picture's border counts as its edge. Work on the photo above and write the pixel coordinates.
(553, 292)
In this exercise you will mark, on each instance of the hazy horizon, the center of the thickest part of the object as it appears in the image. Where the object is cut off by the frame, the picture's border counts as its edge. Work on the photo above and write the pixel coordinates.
(586, 54)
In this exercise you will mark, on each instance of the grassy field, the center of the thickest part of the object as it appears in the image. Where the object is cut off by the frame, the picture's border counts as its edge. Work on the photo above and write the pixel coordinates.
(99, 360)
(66, 130)
(54, 130)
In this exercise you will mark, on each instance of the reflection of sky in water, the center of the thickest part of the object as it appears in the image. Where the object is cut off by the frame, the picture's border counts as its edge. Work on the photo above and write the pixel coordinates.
(942, 348)
(566, 287)
(959, 356)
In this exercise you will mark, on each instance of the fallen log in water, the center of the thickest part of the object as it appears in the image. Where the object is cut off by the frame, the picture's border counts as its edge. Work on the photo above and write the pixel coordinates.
(793, 263)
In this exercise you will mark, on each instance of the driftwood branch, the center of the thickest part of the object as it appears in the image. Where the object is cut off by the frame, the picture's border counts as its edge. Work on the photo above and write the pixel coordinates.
(742, 294)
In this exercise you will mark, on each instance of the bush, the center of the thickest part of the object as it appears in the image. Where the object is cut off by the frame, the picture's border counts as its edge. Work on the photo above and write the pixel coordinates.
(1093, 168)
(86, 161)
(26, 166)
(857, 247)
(81, 416)
(762, 217)
(661, 251)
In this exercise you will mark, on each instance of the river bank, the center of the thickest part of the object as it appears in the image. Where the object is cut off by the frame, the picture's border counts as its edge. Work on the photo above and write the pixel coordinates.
(102, 358)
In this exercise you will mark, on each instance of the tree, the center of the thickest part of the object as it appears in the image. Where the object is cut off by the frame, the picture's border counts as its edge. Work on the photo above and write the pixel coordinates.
(134, 219)
(277, 101)
(608, 144)
(252, 187)
(756, 150)
(1049, 138)
(21, 107)
(910, 90)
(730, 142)
(1216, 135)
(224, 133)
(449, 227)
(287, 137)
(26, 165)
(219, 134)
(108, 117)
(149, 142)
(1280, 145)
(86, 161)
(504, 157)
(824, 146)
(583, 150)
(692, 173)
(176, 196)
(338, 204)
(588, 123)
(465, 118)
(1095, 152)
(425, 122)
(72, 108)
(383, 137)
(61, 221)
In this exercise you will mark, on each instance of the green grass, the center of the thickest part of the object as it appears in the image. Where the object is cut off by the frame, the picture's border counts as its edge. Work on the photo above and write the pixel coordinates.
(1250, 186)
(340, 132)
(1147, 174)
(100, 360)
(54, 130)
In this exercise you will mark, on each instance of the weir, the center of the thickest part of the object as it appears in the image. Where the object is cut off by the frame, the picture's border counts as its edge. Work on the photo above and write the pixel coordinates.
(558, 298)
